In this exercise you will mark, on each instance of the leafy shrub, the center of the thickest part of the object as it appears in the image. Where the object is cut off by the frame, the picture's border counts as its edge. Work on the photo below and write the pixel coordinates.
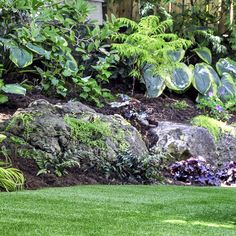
(50, 42)
(214, 107)
(128, 167)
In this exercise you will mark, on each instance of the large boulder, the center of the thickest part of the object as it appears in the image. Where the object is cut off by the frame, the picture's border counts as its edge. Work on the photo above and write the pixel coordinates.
(63, 135)
(184, 140)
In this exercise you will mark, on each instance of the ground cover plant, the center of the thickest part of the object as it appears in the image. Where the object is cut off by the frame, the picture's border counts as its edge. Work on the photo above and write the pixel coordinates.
(198, 171)
(119, 210)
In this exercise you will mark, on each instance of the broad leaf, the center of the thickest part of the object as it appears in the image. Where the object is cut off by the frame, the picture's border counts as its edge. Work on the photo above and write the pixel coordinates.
(155, 84)
(176, 56)
(201, 79)
(20, 57)
(178, 78)
(70, 66)
(226, 65)
(39, 50)
(204, 53)
(14, 88)
(227, 89)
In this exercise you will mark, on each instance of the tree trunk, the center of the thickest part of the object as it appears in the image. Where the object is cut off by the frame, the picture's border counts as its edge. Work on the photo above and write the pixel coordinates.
(222, 22)
(124, 8)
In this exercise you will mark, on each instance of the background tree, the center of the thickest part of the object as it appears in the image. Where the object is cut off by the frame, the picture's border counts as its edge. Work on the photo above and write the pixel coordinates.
(124, 8)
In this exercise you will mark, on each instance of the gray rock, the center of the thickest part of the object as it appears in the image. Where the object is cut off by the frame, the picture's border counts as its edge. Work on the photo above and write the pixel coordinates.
(183, 141)
(41, 132)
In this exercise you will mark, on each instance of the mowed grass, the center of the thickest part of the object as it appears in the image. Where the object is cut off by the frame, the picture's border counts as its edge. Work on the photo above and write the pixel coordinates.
(119, 210)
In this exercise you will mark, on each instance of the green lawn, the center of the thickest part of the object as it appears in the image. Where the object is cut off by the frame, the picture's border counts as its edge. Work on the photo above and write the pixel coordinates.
(119, 210)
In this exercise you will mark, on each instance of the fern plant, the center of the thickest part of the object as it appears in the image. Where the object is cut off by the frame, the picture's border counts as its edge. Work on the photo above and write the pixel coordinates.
(147, 43)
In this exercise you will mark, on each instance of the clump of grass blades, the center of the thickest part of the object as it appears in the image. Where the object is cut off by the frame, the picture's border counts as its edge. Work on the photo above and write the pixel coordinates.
(11, 179)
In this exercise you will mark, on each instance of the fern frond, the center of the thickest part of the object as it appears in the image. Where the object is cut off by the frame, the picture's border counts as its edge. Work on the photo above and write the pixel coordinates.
(128, 23)
(163, 26)
(119, 37)
(149, 22)
(148, 43)
(167, 37)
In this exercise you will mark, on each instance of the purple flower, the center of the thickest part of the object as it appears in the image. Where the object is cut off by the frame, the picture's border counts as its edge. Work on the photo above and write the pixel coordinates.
(222, 91)
(219, 108)
(210, 94)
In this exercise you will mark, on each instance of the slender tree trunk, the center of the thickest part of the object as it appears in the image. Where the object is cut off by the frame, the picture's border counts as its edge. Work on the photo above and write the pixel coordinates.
(124, 8)
(221, 26)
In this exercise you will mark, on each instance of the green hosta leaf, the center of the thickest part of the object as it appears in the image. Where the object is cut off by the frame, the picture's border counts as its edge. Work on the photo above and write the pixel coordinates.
(20, 57)
(39, 50)
(155, 84)
(175, 56)
(3, 99)
(205, 78)
(226, 65)
(14, 88)
(227, 89)
(204, 53)
(178, 78)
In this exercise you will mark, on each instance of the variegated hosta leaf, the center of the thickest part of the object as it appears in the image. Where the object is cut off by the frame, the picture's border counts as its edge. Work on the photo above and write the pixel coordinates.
(155, 84)
(178, 78)
(227, 89)
(71, 66)
(175, 56)
(39, 50)
(205, 79)
(226, 65)
(20, 57)
(14, 88)
(204, 53)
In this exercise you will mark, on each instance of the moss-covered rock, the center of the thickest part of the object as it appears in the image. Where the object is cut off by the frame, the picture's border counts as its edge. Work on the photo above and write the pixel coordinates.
(216, 128)
(65, 135)
(206, 137)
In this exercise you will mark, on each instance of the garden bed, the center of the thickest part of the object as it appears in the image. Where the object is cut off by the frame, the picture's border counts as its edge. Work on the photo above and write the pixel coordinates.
(175, 108)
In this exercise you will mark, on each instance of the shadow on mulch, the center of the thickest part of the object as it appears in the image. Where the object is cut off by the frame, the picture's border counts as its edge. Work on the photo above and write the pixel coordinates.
(74, 176)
